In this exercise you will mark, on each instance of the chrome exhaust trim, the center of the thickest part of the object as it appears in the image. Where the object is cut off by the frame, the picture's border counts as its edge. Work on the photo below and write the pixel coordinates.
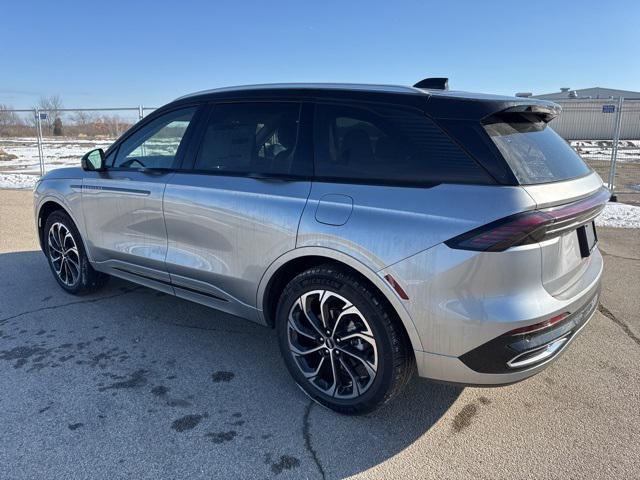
(537, 355)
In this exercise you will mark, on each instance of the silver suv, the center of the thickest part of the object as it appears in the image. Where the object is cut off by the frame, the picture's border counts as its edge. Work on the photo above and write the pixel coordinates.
(376, 228)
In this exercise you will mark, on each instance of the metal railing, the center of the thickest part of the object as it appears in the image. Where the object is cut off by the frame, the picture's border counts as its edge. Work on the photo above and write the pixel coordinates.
(34, 141)
(606, 133)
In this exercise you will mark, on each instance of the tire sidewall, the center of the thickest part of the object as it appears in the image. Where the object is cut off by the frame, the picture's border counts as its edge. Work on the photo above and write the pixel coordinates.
(321, 279)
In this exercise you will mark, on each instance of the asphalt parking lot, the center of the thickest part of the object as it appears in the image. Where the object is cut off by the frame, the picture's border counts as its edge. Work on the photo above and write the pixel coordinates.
(132, 383)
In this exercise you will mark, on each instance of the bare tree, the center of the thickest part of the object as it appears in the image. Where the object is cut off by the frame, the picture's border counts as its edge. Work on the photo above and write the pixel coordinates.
(6, 117)
(112, 125)
(82, 119)
(52, 106)
(8, 120)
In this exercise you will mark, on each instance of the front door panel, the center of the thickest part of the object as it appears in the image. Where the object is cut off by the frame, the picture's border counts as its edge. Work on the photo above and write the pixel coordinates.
(124, 220)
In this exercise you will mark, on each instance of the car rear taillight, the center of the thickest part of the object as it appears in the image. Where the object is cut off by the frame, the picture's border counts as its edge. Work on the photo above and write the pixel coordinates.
(531, 227)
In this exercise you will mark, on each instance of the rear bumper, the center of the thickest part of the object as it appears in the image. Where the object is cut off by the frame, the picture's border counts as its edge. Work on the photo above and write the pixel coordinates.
(488, 364)
(463, 306)
(509, 353)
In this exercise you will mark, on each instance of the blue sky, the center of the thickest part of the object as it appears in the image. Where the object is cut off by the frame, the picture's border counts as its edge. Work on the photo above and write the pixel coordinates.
(118, 53)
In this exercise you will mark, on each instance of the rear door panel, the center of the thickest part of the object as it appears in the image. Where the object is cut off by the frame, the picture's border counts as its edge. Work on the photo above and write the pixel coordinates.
(225, 231)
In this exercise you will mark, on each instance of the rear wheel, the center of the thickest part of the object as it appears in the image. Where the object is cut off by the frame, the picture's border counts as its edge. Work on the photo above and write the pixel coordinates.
(67, 257)
(340, 342)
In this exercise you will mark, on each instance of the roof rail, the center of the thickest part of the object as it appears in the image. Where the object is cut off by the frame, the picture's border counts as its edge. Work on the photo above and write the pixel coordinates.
(436, 83)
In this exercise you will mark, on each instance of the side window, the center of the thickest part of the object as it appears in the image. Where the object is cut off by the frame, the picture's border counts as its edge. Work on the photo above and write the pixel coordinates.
(252, 137)
(110, 158)
(156, 144)
(388, 145)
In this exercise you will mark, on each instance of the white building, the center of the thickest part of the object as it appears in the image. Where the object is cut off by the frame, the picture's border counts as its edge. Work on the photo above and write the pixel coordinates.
(596, 93)
(591, 113)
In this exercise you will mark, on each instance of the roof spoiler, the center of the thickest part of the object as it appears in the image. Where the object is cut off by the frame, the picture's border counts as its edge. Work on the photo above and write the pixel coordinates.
(545, 112)
(435, 83)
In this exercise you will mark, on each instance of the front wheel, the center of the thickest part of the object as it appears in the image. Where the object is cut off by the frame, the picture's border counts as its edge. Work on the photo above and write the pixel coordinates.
(67, 257)
(340, 341)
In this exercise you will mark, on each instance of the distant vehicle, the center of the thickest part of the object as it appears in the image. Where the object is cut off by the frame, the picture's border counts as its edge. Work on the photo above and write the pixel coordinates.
(377, 228)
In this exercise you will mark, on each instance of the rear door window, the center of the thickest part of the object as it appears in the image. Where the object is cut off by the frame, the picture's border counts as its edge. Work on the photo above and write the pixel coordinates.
(388, 145)
(535, 153)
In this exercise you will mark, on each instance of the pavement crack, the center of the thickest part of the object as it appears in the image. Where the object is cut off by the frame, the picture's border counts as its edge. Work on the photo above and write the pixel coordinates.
(622, 257)
(607, 313)
(68, 304)
(210, 329)
(306, 433)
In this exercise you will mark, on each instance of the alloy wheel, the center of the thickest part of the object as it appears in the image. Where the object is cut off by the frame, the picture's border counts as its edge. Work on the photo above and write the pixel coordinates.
(332, 344)
(63, 253)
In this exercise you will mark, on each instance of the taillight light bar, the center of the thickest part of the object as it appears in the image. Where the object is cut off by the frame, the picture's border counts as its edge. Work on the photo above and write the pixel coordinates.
(530, 227)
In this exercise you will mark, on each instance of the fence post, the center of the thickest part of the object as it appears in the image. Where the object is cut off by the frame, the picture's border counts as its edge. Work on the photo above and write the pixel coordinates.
(39, 137)
(140, 112)
(614, 149)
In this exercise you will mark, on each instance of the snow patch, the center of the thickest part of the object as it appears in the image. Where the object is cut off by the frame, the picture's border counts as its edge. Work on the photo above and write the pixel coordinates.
(619, 215)
(58, 153)
(17, 180)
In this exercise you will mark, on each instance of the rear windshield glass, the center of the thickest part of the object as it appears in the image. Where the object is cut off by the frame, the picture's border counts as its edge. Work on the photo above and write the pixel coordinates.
(535, 153)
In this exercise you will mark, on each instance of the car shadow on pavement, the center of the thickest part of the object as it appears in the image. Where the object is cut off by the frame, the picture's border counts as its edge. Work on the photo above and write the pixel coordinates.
(203, 392)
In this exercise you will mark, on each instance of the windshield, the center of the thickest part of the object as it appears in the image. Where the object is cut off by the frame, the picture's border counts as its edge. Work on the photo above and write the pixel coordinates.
(535, 153)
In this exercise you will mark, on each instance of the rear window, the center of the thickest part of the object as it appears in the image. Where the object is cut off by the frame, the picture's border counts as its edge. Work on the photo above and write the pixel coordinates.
(389, 145)
(535, 153)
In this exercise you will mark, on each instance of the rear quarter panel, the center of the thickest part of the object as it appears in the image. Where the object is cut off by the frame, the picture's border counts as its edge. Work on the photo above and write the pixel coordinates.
(388, 224)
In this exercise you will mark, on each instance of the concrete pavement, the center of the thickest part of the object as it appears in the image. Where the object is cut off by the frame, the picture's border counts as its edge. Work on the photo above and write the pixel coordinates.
(132, 383)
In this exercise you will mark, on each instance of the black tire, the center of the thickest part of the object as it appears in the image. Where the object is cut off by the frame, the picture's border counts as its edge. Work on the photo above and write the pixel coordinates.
(87, 278)
(395, 361)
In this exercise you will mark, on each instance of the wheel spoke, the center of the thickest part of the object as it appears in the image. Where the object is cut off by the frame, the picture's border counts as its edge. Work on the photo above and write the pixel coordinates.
(68, 236)
(65, 271)
(59, 268)
(352, 374)
(371, 369)
(53, 239)
(60, 238)
(347, 310)
(361, 336)
(53, 246)
(313, 374)
(299, 352)
(311, 317)
(334, 372)
(324, 312)
(293, 324)
(74, 264)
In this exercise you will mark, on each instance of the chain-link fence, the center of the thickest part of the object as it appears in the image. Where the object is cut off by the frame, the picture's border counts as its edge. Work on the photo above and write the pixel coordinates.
(33, 142)
(606, 133)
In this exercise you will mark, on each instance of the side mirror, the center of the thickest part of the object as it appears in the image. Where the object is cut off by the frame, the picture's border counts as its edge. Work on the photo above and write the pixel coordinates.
(93, 161)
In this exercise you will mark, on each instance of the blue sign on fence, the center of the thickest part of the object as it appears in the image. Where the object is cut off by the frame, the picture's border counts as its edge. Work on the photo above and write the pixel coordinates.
(608, 108)
(44, 116)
